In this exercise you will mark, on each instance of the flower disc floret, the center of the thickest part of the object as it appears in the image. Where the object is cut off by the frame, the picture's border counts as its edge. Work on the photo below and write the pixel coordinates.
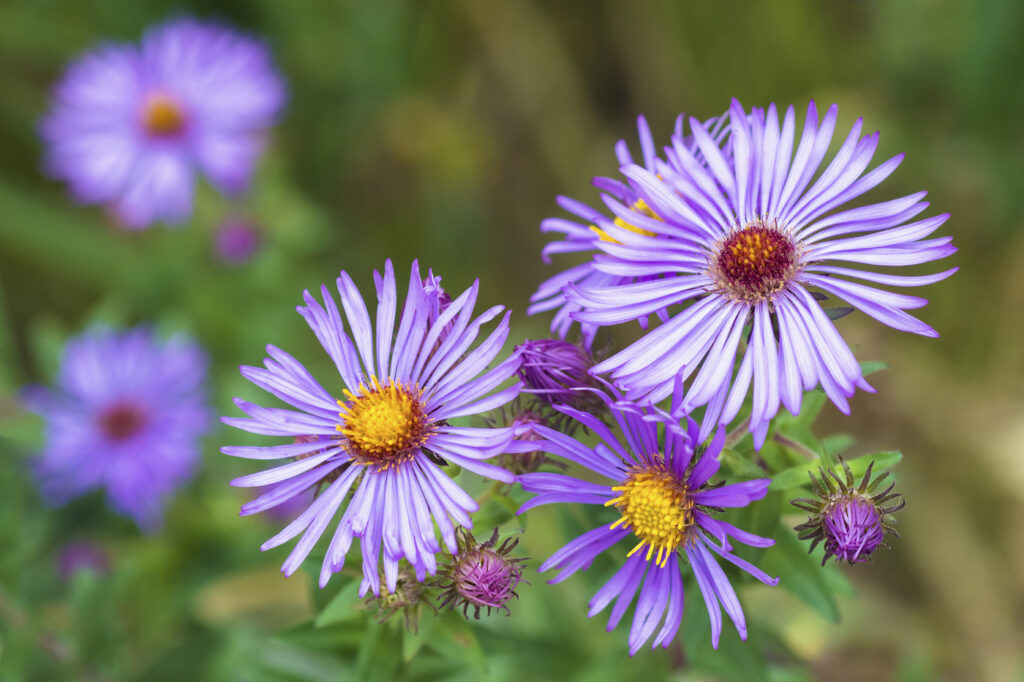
(384, 425)
(654, 504)
(755, 262)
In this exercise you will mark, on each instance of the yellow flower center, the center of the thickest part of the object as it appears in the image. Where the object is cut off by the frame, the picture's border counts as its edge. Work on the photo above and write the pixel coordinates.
(162, 116)
(384, 425)
(640, 207)
(654, 504)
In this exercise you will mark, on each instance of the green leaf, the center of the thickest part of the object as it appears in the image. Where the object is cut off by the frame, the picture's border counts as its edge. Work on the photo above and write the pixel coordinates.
(799, 475)
(376, 659)
(454, 639)
(493, 513)
(740, 465)
(871, 367)
(412, 642)
(340, 608)
(800, 573)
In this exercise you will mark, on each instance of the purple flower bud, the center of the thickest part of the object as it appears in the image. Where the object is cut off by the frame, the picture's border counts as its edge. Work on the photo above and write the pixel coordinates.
(852, 520)
(554, 370)
(437, 298)
(237, 241)
(480, 575)
(853, 529)
(82, 555)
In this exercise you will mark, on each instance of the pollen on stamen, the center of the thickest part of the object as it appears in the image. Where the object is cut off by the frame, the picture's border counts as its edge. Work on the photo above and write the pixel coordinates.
(655, 505)
(384, 424)
(754, 263)
(162, 116)
(640, 206)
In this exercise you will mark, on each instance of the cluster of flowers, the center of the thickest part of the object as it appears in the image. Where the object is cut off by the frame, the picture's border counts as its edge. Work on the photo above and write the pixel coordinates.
(730, 236)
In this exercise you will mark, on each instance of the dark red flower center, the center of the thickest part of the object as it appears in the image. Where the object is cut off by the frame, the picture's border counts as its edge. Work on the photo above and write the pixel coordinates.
(121, 421)
(162, 116)
(755, 262)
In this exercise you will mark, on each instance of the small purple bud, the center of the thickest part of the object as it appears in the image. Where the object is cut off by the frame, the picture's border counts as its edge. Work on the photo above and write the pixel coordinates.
(237, 240)
(480, 575)
(853, 529)
(851, 519)
(82, 555)
(437, 298)
(555, 370)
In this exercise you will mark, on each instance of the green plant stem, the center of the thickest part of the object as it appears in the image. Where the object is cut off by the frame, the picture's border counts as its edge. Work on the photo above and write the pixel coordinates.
(795, 446)
(736, 435)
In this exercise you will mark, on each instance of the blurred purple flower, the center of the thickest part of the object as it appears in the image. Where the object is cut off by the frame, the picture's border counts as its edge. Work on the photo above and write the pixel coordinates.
(125, 417)
(131, 125)
(389, 435)
(238, 240)
(659, 485)
(82, 555)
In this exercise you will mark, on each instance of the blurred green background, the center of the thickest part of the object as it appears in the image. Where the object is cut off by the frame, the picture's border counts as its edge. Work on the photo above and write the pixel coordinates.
(443, 131)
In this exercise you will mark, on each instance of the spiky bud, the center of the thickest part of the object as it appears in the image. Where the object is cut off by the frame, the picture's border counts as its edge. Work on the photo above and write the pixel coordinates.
(480, 575)
(851, 519)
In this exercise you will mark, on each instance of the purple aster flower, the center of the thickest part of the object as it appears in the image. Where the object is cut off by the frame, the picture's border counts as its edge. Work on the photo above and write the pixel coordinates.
(852, 519)
(664, 503)
(388, 435)
(130, 125)
(742, 239)
(481, 575)
(585, 236)
(237, 240)
(125, 417)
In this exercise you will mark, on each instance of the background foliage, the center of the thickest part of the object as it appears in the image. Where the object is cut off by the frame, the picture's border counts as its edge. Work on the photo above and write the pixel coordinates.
(443, 131)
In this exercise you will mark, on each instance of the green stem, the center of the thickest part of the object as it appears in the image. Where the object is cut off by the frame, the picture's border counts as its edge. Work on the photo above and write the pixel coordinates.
(736, 435)
(794, 446)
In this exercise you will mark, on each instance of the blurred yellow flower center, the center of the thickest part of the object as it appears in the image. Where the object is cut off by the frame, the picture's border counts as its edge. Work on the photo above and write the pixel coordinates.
(162, 116)
(654, 504)
(640, 207)
(384, 424)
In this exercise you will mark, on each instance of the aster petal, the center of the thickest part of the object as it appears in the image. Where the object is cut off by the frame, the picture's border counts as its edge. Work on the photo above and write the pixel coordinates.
(581, 552)
(733, 495)
(706, 584)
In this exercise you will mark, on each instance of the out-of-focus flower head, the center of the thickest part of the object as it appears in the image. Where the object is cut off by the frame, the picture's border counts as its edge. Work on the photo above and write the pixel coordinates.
(237, 240)
(131, 125)
(388, 436)
(125, 417)
(82, 555)
(852, 519)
